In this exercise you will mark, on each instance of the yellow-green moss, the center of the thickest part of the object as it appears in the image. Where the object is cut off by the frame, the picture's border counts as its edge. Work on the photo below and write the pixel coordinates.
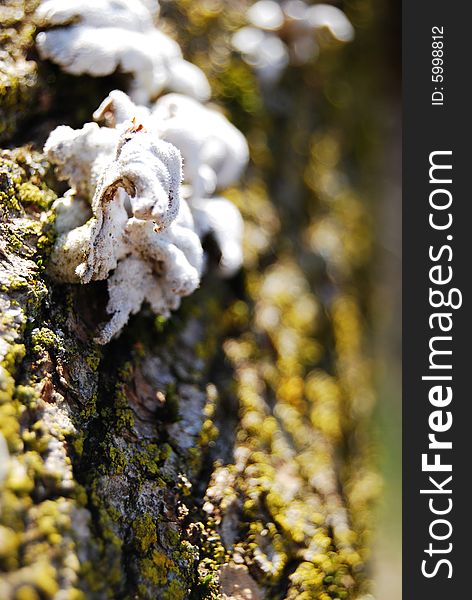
(147, 460)
(43, 339)
(145, 534)
(13, 358)
(118, 460)
(157, 568)
(93, 358)
(174, 591)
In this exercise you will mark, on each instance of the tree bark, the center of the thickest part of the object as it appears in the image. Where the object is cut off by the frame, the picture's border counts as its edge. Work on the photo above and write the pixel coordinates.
(220, 454)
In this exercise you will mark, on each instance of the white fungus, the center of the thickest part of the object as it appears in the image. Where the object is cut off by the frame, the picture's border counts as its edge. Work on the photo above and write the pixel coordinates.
(214, 153)
(98, 37)
(80, 155)
(126, 218)
(333, 19)
(118, 108)
(70, 212)
(279, 34)
(220, 218)
(141, 237)
(266, 14)
(263, 51)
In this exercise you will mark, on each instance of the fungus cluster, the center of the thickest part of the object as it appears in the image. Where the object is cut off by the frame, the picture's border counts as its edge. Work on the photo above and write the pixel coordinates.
(128, 218)
(214, 154)
(285, 33)
(99, 37)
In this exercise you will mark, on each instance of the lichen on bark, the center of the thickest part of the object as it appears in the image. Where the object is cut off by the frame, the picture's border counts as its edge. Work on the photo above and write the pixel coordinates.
(221, 453)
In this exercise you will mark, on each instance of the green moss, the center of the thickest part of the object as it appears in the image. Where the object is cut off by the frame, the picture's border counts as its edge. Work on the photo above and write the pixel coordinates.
(45, 242)
(89, 409)
(78, 443)
(123, 414)
(26, 592)
(23, 193)
(208, 584)
(160, 323)
(106, 573)
(11, 176)
(80, 495)
(7, 385)
(163, 572)
(75, 594)
(93, 578)
(20, 186)
(30, 194)
(165, 451)
(118, 460)
(13, 358)
(93, 358)
(145, 535)
(148, 460)
(10, 542)
(43, 339)
(174, 591)
(115, 514)
(157, 568)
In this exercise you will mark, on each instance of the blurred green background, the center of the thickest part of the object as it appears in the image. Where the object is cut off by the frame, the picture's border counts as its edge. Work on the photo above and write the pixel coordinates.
(341, 118)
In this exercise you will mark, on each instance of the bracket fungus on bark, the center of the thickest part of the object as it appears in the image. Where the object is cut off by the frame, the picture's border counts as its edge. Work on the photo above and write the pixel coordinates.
(214, 152)
(124, 219)
(98, 37)
(141, 236)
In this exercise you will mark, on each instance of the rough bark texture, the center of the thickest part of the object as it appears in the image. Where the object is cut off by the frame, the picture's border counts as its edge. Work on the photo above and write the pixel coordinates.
(220, 454)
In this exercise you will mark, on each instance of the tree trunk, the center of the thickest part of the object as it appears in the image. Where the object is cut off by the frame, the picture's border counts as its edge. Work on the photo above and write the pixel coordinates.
(220, 454)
